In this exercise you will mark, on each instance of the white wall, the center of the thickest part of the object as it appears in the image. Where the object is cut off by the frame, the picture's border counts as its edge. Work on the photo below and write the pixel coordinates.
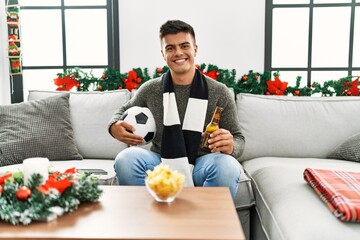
(4, 61)
(229, 33)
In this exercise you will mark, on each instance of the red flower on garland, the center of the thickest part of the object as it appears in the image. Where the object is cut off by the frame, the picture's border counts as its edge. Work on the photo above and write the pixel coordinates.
(276, 87)
(65, 84)
(59, 181)
(4, 177)
(132, 81)
(212, 74)
(353, 89)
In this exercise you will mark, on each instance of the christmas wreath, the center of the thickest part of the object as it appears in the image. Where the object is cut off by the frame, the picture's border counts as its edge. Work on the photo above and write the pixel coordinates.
(251, 82)
(62, 192)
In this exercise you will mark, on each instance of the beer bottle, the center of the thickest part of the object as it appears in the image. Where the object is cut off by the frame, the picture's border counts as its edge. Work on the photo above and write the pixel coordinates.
(211, 127)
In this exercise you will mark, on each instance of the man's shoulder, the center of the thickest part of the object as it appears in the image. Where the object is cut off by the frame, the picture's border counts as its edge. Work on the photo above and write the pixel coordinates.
(151, 84)
(215, 85)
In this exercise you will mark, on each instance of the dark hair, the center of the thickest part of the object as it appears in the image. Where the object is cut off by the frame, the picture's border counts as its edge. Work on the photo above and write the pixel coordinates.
(176, 26)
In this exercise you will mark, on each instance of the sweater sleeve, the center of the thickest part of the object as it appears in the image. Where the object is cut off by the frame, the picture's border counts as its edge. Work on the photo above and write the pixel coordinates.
(148, 95)
(136, 100)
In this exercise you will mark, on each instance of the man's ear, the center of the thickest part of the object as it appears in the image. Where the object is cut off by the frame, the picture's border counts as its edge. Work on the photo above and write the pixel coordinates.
(162, 53)
(196, 49)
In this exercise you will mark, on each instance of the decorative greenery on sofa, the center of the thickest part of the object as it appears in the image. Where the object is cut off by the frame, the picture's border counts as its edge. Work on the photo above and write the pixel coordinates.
(252, 82)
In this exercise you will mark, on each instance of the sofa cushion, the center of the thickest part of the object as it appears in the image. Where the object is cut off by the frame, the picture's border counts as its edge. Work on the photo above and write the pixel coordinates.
(347, 150)
(288, 208)
(90, 115)
(244, 197)
(287, 126)
(39, 128)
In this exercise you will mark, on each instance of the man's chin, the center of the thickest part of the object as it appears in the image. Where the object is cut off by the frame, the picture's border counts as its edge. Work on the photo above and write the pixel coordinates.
(180, 68)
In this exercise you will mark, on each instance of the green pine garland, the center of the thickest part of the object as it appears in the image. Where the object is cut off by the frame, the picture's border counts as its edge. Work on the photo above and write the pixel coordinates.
(39, 206)
(251, 82)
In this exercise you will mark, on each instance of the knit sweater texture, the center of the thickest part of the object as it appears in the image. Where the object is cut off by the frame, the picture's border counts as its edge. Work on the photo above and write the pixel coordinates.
(150, 95)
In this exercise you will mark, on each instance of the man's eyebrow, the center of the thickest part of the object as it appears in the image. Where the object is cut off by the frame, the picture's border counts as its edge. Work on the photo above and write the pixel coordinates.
(184, 43)
(181, 44)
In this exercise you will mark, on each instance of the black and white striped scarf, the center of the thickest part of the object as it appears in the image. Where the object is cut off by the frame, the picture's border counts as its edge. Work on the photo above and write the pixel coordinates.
(180, 144)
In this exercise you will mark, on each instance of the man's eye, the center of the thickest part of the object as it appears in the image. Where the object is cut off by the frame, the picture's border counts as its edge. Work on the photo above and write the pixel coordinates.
(168, 49)
(185, 46)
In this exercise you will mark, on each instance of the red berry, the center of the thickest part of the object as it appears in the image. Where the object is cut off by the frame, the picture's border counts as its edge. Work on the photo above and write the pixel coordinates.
(159, 70)
(100, 88)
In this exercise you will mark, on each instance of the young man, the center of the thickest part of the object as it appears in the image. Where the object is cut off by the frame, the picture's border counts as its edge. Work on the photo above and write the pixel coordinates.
(188, 99)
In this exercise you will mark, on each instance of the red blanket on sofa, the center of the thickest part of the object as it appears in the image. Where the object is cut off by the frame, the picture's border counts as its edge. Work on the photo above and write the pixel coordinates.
(340, 190)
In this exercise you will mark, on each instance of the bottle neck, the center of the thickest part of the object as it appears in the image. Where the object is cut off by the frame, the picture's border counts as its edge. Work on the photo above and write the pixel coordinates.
(216, 116)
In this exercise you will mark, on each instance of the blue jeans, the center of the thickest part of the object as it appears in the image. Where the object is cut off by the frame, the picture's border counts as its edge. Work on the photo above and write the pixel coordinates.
(213, 169)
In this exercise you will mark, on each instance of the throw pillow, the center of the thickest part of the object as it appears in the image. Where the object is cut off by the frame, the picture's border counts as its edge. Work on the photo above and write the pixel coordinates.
(39, 128)
(348, 150)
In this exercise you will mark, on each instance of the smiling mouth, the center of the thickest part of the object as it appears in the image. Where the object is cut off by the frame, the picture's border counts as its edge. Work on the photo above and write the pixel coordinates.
(180, 60)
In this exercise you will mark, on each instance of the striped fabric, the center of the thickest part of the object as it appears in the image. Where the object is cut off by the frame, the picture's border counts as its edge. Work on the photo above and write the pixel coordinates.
(340, 190)
(180, 143)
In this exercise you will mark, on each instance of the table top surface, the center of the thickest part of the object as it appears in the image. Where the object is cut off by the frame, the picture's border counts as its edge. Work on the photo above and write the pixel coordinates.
(130, 212)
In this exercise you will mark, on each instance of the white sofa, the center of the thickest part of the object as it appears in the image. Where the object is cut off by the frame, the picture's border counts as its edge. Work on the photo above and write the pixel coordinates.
(284, 135)
(90, 113)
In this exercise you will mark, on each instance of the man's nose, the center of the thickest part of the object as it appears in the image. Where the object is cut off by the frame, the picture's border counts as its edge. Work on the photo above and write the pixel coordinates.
(178, 51)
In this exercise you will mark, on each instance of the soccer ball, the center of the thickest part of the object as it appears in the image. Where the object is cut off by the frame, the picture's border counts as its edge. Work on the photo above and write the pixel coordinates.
(142, 120)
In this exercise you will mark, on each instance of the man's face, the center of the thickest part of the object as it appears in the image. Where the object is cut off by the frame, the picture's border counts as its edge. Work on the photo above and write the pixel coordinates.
(179, 52)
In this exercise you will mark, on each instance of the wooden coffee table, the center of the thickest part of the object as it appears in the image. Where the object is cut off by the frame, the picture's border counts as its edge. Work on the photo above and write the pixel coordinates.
(125, 212)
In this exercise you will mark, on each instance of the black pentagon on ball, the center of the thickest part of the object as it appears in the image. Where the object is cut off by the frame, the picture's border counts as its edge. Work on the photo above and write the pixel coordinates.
(149, 136)
(141, 118)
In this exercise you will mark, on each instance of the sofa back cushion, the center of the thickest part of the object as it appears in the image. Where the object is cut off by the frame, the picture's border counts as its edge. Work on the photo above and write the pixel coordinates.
(39, 128)
(90, 114)
(287, 126)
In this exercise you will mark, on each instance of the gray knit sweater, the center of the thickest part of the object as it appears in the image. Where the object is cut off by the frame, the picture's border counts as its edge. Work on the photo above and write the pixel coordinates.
(150, 95)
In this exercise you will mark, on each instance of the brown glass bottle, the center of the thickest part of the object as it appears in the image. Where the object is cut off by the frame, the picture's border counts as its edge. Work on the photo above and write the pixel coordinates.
(211, 127)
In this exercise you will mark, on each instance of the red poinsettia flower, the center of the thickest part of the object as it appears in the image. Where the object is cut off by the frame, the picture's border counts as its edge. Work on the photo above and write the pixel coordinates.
(354, 87)
(43, 190)
(212, 74)
(4, 177)
(60, 184)
(276, 87)
(133, 81)
(58, 180)
(70, 171)
(65, 84)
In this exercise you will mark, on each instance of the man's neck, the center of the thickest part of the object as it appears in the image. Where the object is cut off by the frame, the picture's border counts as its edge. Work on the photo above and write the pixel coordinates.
(183, 78)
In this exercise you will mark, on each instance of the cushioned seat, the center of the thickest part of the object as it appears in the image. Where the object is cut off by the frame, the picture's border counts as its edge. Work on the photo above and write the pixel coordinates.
(288, 208)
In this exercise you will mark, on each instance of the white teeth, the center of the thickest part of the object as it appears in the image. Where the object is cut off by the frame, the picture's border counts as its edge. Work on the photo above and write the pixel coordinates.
(180, 60)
